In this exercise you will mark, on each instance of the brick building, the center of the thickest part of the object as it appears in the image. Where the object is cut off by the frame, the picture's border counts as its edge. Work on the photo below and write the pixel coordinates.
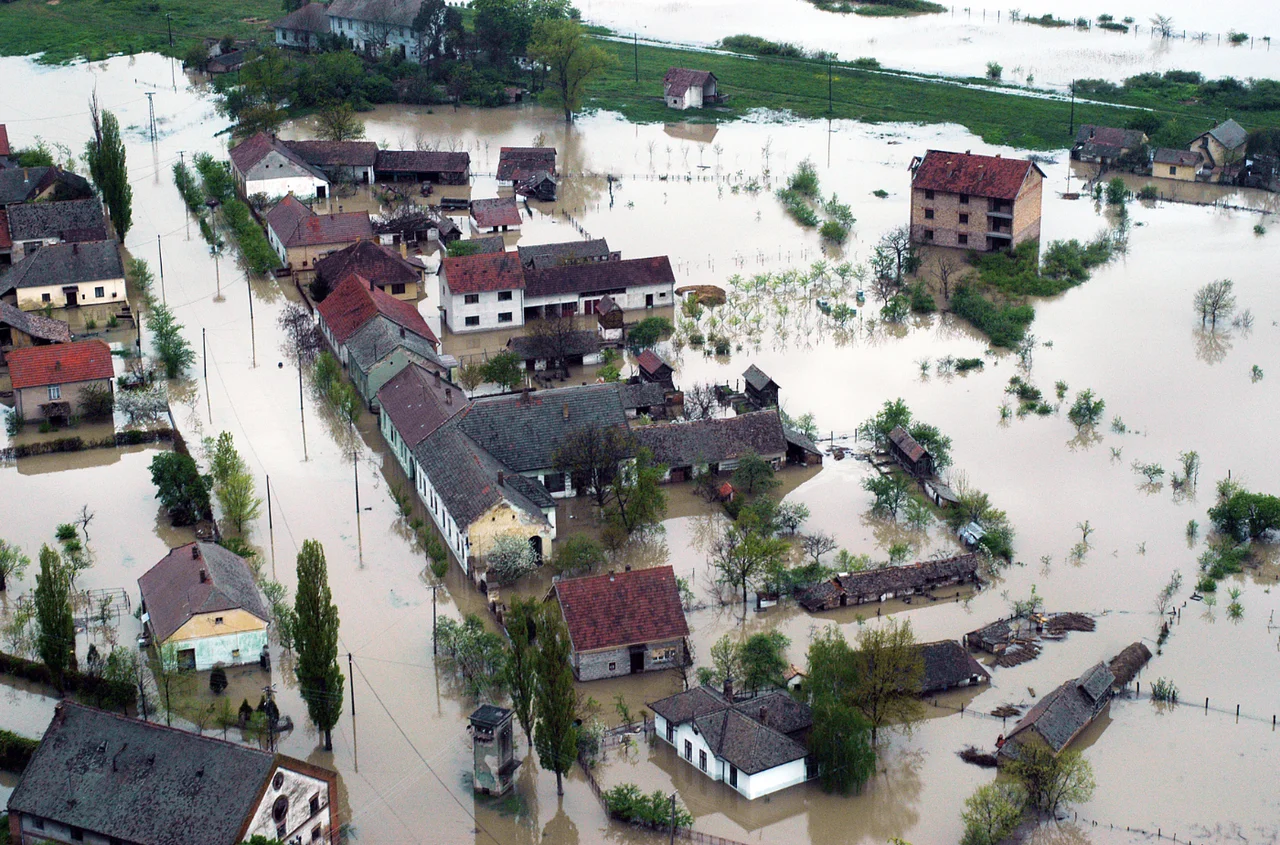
(983, 203)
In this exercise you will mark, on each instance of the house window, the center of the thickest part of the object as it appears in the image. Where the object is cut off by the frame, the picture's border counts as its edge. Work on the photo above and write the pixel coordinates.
(964, 199)
(55, 391)
(278, 780)
(315, 833)
(397, 289)
(504, 317)
(964, 218)
(613, 667)
(99, 292)
(235, 654)
(928, 195)
(671, 733)
(928, 234)
(1173, 171)
(471, 299)
(77, 835)
(688, 750)
(928, 214)
(554, 482)
(963, 239)
(38, 824)
(702, 760)
(314, 806)
(733, 776)
(44, 297)
(472, 321)
(217, 620)
(504, 296)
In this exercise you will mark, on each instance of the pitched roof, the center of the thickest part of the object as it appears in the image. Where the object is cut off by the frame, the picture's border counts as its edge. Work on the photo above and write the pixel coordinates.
(756, 378)
(976, 175)
(871, 584)
(284, 216)
(622, 608)
(486, 272)
(645, 394)
(800, 441)
(139, 781)
(1109, 138)
(198, 578)
(297, 225)
(5, 241)
(1128, 663)
(572, 252)
(1063, 713)
(1182, 158)
(901, 438)
(689, 705)
(334, 153)
(34, 325)
(1229, 134)
(379, 264)
(228, 61)
(313, 18)
(255, 148)
(488, 244)
(394, 12)
(419, 402)
(649, 362)
(515, 164)
(19, 184)
(65, 264)
(599, 276)
(61, 363)
(355, 301)
(747, 744)
(496, 211)
(948, 664)
(681, 79)
(524, 431)
(422, 161)
(714, 441)
(73, 220)
(578, 342)
(377, 338)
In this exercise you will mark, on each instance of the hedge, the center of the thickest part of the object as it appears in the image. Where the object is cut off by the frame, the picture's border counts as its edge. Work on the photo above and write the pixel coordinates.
(112, 695)
(16, 751)
(79, 444)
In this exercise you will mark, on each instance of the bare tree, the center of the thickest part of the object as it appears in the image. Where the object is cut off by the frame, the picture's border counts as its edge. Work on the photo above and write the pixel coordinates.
(700, 401)
(555, 339)
(817, 544)
(302, 338)
(1162, 25)
(83, 519)
(1215, 301)
(592, 456)
(945, 267)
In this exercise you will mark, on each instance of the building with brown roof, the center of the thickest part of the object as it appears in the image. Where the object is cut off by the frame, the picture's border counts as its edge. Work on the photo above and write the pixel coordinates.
(1063, 714)
(888, 582)
(654, 370)
(1106, 145)
(689, 449)
(632, 283)
(497, 214)
(522, 164)
(948, 665)
(49, 382)
(909, 454)
(977, 202)
(36, 224)
(683, 88)
(1182, 165)
(301, 237)
(262, 164)
(439, 166)
(341, 161)
(482, 292)
(386, 268)
(20, 329)
(623, 623)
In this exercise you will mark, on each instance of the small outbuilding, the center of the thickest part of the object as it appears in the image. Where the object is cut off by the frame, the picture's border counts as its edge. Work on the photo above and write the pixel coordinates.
(517, 165)
(610, 321)
(684, 88)
(498, 214)
(654, 370)
(909, 454)
(760, 389)
(1126, 665)
(888, 582)
(801, 449)
(1063, 714)
(947, 665)
(20, 329)
(493, 749)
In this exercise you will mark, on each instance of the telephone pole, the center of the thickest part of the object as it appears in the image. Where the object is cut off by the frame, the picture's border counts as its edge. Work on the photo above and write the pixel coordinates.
(635, 41)
(151, 106)
(1072, 130)
(168, 19)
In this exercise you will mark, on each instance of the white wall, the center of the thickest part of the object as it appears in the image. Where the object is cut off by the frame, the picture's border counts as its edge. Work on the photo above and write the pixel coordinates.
(750, 786)
(364, 35)
(113, 293)
(487, 309)
(299, 186)
(299, 820)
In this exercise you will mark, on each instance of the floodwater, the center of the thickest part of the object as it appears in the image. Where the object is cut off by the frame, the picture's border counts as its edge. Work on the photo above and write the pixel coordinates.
(1129, 334)
(962, 41)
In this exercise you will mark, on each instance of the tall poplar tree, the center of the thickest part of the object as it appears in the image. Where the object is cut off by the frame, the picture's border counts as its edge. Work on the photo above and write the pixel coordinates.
(315, 639)
(555, 703)
(105, 156)
(521, 668)
(56, 637)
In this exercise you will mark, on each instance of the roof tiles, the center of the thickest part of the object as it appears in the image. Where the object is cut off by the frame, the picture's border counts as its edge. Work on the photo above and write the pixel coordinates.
(496, 211)
(482, 273)
(354, 302)
(194, 579)
(63, 363)
(976, 175)
(622, 608)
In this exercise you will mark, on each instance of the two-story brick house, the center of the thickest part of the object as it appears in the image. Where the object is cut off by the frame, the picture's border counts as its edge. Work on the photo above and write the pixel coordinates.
(983, 203)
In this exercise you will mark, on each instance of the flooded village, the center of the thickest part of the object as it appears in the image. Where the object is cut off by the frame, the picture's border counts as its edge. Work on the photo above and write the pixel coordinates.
(765, 479)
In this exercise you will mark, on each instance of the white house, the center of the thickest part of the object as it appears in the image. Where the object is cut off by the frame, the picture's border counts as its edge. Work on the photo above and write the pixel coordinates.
(376, 26)
(632, 284)
(36, 224)
(68, 275)
(755, 746)
(263, 165)
(497, 214)
(683, 88)
(482, 292)
(302, 28)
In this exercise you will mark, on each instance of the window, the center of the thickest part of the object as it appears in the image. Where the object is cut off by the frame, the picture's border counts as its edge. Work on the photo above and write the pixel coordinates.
(314, 806)
(472, 321)
(1173, 171)
(278, 780)
(964, 199)
(280, 809)
(55, 391)
(964, 239)
(613, 667)
(217, 620)
(964, 218)
(235, 654)
(44, 297)
(702, 760)
(928, 234)
(688, 750)
(99, 292)
(504, 316)
(504, 296)
(928, 195)
(471, 299)
(397, 290)
(315, 833)
(77, 835)
(554, 482)
(38, 824)
(733, 776)
(281, 832)
(671, 733)
(928, 214)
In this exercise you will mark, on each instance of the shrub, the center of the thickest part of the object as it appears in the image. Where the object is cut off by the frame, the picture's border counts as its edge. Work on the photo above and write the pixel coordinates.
(805, 180)
(218, 680)
(100, 691)
(834, 231)
(921, 300)
(1164, 690)
(627, 803)
(1149, 192)
(16, 751)
(1117, 191)
(577, 552)
(1003, 324)
(963, 365)
(646, 333)
(994, 70)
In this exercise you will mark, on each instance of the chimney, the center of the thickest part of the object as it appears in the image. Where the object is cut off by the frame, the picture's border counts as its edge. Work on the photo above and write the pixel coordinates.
(437, 373)
(75, 248)
(402, 331)
(627, 568)
(204, 576)
(764, 715)
(728, 689)
(448, 395)
(502, 478)
(195, 551)
(610, 576)
(566, 411)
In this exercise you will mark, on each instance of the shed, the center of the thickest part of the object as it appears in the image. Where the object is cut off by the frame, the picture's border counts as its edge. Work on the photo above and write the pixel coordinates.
(947, 664)
(610, 319)
(498, 214)
(1060, 716)
(909, 454)
(1126, 665)
(685, 88)
(760, 389)
(714, 445)
(655, 370)
(800, 449)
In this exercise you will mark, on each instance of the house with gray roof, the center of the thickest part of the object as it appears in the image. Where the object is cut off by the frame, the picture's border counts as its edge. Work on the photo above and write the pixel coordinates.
(688, 449)
(1222, 147)
(1063, 714)
(262, 164)
(756, 746)
(377, 26)
(948, 665)
(69, 275)
(542, 256)
(36, 224)
(103, 777)
(201, 605)
(20, 329)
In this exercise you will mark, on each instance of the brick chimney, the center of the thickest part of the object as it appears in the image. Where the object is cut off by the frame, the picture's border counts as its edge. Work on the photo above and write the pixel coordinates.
(502, 478)
(204, 576)
(448, 395)
(195, 551)
(728, 689)
(764, 715)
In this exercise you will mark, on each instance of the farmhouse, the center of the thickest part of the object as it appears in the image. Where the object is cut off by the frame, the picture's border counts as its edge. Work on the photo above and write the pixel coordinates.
(67, 276)
(20, 329)
(521, 164)
(201, 600)
(1182, 165)
(36, 224)
(340, 161)
(947, 665)
(624, 623)
(756, 746)
(482, 292)
(438, 166)
(50, 382)
(499, 214)
(377, 26)
(689, 449)
(683, 88)
(632, 283)
(102, 777)
(543, 256)
(1106, 145)
(977, 202)
(390, 272)
(910, 455)
(262, 164)
(27, 184)
(302, 28)
(301, 237)
(1060, 716)
(1221, 147)
(887, 582)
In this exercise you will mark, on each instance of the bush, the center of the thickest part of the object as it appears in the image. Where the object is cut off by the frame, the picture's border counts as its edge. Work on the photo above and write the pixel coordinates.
(994, 70)
(577, 552)
(992, 813)
(646, 333)
(1117, 191)
(99, 691)
(921, 300)
(1149, 192)
(218, 680)
(1003, 324)
(627, 803)
(763, 47)
(509, 558)
(254, 247)
(16, 751)
(805, 180)
(833, 231)
(798, 207)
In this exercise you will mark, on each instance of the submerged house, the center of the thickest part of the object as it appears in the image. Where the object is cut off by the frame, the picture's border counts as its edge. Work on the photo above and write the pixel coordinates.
(1222, 146)
(36, 224)
(756, 746)
(760, 389)
(1105, 145)
(654, 370)
(517, 165)
(50, 382)
(572, 349)
(910, 455)
(301, 237)
(983, 203)
(688, 449)
(384, 267)
(67, 275)
(1181, 165)
(438, 166)
(887, 582)
(341, 161)
(497, 214)
(948, 665)
(542, 256)
(624, 623)
(1060, 716)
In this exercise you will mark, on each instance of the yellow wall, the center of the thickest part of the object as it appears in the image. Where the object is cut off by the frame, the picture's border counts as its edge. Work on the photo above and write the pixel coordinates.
(113, 293)
(202, 625)
(504, 519)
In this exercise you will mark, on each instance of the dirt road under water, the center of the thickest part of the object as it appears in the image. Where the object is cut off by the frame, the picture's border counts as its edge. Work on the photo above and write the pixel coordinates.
(1129, 334)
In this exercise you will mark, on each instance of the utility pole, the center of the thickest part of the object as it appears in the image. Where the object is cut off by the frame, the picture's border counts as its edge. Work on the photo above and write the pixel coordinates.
(253, 340)
(830, 109)
(160, 253)
(434, 587)
(151, 106)
(204, 354)
(1072, 130)
(673, 819)
(352, 685)
(168, 19)
(635, 41)
(355, 469)
(302, 414)
(216, 249)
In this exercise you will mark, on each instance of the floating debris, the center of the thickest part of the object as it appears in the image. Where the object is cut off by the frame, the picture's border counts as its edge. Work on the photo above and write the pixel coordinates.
(969, 754)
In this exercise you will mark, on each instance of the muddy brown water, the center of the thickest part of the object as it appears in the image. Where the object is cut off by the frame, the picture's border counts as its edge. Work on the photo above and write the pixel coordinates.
(1129, 334)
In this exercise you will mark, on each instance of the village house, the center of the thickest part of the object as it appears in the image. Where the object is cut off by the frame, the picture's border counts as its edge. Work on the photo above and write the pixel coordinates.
(202, 607)
(1182, 165)
(499, 214)
(377, 26)
(756, 746)
(542, 256)
(977, 202)
(261, 164)
(228, 62)
(690, 449)
(517, 165)
(28, 184)
(481, 292)
(36, 224)
(888, 582)
(1106, 145)
(303, 28)
(21, 329)
(1222, 148)
(653, 370)
(387, 269)
(948, 665)
(623, 623)
(70, 275)
(801, 449)
(103, 778)
(567, 289)
(50, 382)
(914, 459)
(683, 88)
(655, 401)
(761, 390)
(577, 348)
(438, 166)
(1060, 716)
(340, 161)
(611, 323)
(301, 237)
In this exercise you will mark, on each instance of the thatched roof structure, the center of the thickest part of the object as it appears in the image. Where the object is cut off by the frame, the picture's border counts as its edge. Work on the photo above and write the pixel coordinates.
(1128, 663)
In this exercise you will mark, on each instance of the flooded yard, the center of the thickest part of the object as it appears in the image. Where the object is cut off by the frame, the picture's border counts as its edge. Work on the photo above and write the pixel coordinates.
(1129, 334)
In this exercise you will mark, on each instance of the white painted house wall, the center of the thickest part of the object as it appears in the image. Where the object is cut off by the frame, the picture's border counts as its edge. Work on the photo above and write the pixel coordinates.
(487, 308)
(300, 789)
(276, 176)
(750, 786)
(368, 36)
(454, 538)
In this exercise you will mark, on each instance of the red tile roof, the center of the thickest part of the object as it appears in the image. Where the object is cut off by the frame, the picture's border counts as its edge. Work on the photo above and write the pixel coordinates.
(650, 363)
(497, 211)
(297, 225)
(4, 140)
(352, 304)
(418, 401)
(477, 273)
(520, 163)
(252, 150)
(681, 79)
(422, 161)
(284, 216)
(976, 175)
(600, 276)
(622, 608)
(64, 363)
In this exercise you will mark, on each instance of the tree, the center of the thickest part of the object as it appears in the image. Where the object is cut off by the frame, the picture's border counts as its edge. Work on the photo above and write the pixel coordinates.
(302, 338)
(555, 701)
(315, 638)
(592, 456)
(553, 338)
(430, 29)
(505, 370)
(166, 336)
(55, 627)
(646, 333)
(106, 159)
(742, 555)
(479, 655)
(181, 488)
(572, 60)
(898, 255)
(338, 122)
(841, 737)
(173, 679)
(789, 516)
(1162, 25)
(521, 669)
(945, 268)
(754, 475)
(992, 813)
(502, 27)
(891, 493)
(817, 544)
(233, 483)
(888, 672)
(700, 401)
(1051, 782)
(97, 401)
(1215, 300)
(471, 375)
(510, 558)
(13, 563)
(876, 430)
(636, 498)
(763, 660)
(1087, 410)
(577, 552)
(726, 661)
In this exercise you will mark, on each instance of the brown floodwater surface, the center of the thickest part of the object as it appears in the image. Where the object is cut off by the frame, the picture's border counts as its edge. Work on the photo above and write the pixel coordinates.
(1129, 334)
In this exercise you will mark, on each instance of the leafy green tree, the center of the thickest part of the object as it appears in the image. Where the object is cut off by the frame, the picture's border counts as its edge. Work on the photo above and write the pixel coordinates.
(430, 30)
(743, 555)
(636, 499)
(1052, 782)
(521, 669)
(556, 701)
(106, 159)
(992, 813)
(505, 370)
(13, 563)
(764, 660)
(572, 60)
(1087, 409)
(754, 475)
(577, 552)
(646, 333)
(841, 744)
(510, 558)
(338, 122)
(173, 679)
(888, 671)
(181, 488)
(891, 493)
(592, 456)
(315, 638)
(1117, 192)
(171, 347)
(55, 626)
(1242, 515)
(233, 483)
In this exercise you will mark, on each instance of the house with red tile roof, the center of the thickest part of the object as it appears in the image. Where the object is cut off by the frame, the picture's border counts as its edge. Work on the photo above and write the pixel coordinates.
(497, 214)
(978, 202)
(350, 161)
(522, 164)
(5, 150)
(624, 623)
(262, 164)
(386, 268)
(482, 292)
(49, 382)
(301, 237)
(683, 88)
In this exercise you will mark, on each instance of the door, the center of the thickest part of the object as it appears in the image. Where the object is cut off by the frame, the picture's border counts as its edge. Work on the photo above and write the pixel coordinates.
(320, 192)
(648, 300)
(72, 294)
(187, 658)
(733, 776)
(535, 545)
(637, 662)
